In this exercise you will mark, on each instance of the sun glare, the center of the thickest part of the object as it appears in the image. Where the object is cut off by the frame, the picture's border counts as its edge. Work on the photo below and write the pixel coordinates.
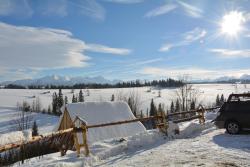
(231, 23)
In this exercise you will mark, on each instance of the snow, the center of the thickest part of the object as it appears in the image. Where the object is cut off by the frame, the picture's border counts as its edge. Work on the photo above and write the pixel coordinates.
(10, 97)
(173, 129)
(27, 134)
(8, 115)
(14, 137)
(105, 112)
(196, 145)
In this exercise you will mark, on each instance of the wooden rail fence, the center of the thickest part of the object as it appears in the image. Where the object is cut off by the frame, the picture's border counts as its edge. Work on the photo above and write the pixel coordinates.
(161, 123)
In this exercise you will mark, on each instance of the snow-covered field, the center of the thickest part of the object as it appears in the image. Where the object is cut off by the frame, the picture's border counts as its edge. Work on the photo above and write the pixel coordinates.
(195, 146)
(10, 97)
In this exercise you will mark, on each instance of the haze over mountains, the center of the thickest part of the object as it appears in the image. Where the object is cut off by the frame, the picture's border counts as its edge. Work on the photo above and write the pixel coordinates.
(61, 80)
(70, 81)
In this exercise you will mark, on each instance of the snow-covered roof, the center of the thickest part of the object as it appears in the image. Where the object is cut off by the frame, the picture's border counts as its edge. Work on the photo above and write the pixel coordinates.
(105, 112)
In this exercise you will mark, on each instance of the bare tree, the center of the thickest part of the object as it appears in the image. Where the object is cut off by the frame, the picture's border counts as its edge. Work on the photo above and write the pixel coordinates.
(133, 99)
(23, 118)
(186, 95)
(38, 105)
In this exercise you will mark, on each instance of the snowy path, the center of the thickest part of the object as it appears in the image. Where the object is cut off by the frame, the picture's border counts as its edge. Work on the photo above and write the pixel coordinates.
(212, 149)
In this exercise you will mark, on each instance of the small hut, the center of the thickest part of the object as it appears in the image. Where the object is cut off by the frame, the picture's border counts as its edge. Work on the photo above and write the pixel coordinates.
(98, 113)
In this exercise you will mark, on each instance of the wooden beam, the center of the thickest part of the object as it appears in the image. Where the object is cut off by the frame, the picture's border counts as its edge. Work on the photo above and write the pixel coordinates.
(187, 119)
(123, 122)
(34, 139)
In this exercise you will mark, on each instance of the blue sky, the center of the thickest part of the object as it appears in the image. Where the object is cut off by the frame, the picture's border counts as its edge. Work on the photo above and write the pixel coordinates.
(124, 39)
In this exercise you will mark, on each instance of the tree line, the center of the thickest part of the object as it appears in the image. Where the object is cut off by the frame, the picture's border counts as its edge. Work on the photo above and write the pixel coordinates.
(137, 83)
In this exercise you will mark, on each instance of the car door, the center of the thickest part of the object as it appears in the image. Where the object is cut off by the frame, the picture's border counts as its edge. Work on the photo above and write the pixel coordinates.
(246, 114)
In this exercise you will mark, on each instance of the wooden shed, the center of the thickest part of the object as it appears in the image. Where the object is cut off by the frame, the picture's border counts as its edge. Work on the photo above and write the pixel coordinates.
(98, 113)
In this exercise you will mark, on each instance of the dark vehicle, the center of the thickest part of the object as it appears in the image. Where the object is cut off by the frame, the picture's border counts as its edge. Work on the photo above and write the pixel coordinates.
(234, 115)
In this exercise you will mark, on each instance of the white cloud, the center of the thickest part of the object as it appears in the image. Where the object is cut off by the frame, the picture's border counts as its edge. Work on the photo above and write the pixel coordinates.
(166, 47)
(43, 48)
(191, 10)
(144, 62)
(90, 8)
(106, 49)
(22, 8)
(229, 53)
(55, 7)
(247, 16)
(161, 10)
(125, 1)
(15, 7)
(193, 73)
(187, 38)
(194, 35)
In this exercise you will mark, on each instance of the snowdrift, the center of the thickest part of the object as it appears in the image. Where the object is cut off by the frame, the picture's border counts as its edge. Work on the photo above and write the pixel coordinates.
(14, 137)
(104, 112)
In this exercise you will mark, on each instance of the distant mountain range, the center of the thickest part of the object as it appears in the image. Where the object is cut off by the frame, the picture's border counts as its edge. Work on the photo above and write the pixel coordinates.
(70, 81)
(228, 78)
(61, 80)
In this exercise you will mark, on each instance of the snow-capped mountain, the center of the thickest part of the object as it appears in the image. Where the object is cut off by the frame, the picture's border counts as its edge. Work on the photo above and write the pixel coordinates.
(228, 78)
(245, 77)
(61, 80)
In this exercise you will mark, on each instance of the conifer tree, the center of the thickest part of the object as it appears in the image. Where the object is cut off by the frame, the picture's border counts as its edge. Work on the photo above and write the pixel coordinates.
(60, 99)
(153, 112)
(172, 107)
(192, 105)
(113, 97)
(54, 103)
(217, 102)
(34, 129)
(160, 109)
(159, 93)
(74, 99)
(141, 114)
(65, 100)
(81, 97)
(153, 109)
(222, 100)
(130, 104)
(177, 106)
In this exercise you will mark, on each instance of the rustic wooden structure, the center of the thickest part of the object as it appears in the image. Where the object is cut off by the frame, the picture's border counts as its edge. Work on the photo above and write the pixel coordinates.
(80, 130)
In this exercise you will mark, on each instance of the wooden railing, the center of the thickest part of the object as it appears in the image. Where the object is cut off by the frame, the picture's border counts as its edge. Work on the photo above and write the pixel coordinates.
(161, 119)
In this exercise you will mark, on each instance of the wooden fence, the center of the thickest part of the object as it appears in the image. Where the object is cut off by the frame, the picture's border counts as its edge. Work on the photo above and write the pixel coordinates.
(59, 141)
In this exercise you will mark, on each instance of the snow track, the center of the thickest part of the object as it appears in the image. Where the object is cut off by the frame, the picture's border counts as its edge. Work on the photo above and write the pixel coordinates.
(212, 149)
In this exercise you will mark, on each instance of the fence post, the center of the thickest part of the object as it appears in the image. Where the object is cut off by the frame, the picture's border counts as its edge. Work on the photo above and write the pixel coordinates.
(76, 143)
(84, 137)
(162, 124)
(22, 152)
(201, 113)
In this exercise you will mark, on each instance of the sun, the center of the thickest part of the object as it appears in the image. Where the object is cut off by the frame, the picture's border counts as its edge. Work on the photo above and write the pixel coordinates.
(231, 23)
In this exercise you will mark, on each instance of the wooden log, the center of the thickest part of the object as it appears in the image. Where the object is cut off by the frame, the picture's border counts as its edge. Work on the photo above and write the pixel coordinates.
(187, 119)
(192, 111)
(123, 122)
(34, 139)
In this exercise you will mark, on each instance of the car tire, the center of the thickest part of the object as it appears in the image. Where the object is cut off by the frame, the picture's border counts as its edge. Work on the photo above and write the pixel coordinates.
(232, 127)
